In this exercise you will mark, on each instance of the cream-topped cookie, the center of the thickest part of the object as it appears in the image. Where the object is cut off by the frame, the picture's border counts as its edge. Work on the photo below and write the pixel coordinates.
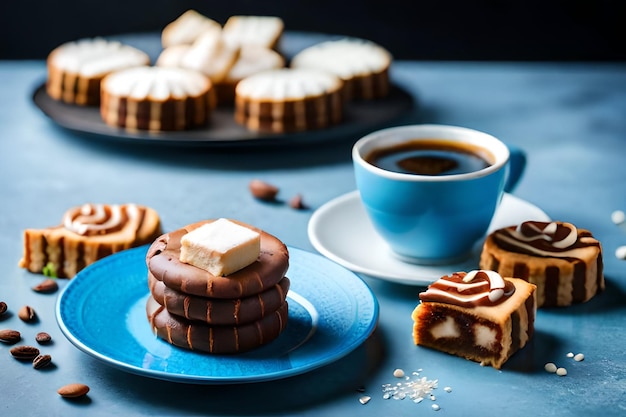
(289, 100)
(362, 64)
(75, 69)
(157, 98)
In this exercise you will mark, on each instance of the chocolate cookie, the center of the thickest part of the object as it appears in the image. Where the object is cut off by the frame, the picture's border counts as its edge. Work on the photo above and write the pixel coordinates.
(219, 311)
(200, 336)
(164, 264)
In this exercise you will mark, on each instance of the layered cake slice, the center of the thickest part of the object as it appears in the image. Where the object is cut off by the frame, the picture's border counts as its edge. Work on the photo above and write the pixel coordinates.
(476, 315)
(218, 286)
(88, 233)
(157, 99)
(289, 100)
(76, 69)
(564, 262)
(362, 65)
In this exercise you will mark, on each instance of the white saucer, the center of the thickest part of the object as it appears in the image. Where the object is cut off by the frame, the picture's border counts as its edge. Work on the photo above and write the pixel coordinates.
(341, 231)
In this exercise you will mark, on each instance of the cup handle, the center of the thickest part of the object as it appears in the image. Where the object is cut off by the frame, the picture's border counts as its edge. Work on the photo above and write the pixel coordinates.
(517, 164)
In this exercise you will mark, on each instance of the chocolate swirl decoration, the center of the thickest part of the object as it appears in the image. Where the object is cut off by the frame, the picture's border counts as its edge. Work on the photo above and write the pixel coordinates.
(98, 219)
(553, 239)
(471, 289)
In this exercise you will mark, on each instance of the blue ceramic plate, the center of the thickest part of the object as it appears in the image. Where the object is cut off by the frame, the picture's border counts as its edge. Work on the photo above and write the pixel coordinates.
(102, 312)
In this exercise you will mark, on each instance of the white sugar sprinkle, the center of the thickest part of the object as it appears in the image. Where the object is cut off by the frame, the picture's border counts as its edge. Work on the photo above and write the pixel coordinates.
(398, 373)
(620, 252)
(618, 217)
(415, 389)
(550, 367)
(561, 372)
(435, 407)
(365, 399)
(447, 389)
(579, 357)
(570, 355)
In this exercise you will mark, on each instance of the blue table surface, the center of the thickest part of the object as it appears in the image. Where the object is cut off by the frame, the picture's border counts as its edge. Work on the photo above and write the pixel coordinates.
(569, 118)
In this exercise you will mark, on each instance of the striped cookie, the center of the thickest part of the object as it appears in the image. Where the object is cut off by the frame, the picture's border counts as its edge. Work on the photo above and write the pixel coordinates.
(219, 311)
(289, 100)
(157, 99)
(76, 69)
(199, 336)
(362, 65)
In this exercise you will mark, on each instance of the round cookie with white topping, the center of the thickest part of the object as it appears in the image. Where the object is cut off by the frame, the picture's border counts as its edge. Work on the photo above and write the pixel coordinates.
(478, 315)
(157, 99)
(289, 100)
(362, 65)
(563, 261)
(76, 69)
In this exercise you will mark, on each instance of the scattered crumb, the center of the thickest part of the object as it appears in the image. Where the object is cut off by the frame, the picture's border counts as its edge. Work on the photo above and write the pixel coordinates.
(618, 217)
(550, 367)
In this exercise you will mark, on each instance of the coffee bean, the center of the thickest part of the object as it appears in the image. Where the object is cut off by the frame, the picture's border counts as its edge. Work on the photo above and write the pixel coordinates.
(27, 314)
(73, 390)
(43, 338)
(263, 190)
(3, 307)
(24, 352)
(296, 202)
(41, 361)
(46, 286)
(10, 336)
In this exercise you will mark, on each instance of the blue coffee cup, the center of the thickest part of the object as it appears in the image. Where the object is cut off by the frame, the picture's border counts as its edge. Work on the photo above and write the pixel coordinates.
(434, 219)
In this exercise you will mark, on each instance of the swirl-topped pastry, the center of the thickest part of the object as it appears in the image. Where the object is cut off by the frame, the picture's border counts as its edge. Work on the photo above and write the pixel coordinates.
(563, 261)
(98, 219)
(478, 315)
(87, 234)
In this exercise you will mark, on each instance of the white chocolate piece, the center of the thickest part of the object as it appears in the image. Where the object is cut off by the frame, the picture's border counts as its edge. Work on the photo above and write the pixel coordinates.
(220, 247)
(253, 30)
(187, 28)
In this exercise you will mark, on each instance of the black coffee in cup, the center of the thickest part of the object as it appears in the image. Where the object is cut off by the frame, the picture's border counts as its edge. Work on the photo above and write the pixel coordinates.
(431, 157)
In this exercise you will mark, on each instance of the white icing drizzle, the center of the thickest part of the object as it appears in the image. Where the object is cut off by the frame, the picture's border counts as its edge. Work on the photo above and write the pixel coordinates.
(496, 283)
(477, 287)
(546, 238)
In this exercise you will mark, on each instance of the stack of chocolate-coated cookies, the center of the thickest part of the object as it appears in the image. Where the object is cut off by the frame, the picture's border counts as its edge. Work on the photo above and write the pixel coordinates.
(193, 309)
